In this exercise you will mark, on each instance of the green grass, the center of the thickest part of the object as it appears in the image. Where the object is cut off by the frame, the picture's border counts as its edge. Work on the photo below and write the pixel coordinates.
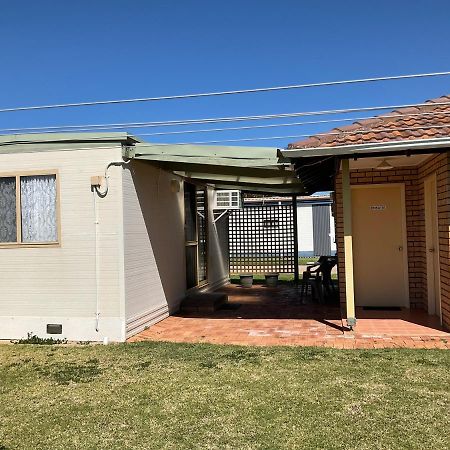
(303, 260)
(176, 396)
(260, 278)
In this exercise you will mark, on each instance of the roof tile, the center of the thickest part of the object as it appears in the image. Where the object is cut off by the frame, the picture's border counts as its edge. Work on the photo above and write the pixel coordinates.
(424, 122)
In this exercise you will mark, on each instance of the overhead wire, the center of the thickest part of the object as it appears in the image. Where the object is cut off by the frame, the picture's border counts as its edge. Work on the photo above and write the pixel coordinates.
(223, 93)
(157, 124)
(295, 136)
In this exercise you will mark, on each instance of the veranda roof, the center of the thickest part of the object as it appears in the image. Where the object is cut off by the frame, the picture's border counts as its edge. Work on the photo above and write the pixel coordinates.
(256, 169)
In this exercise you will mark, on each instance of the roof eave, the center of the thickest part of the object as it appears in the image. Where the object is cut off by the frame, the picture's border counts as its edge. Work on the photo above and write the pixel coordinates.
(50, 138)
(368, 148)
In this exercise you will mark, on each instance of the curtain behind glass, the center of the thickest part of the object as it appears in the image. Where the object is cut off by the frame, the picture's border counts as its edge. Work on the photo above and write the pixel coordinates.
(38, 207)
(8, 225)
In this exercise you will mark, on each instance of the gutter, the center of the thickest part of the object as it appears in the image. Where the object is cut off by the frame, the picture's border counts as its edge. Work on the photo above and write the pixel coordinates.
(403, 146)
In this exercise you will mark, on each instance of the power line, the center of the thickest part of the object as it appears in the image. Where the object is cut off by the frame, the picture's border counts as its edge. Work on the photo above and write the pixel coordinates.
(223, 93)
(296, 136)
(277, 125)
(157, 124)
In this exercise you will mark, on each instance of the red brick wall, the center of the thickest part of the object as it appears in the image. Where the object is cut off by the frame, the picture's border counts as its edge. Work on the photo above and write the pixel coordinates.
(413, 178)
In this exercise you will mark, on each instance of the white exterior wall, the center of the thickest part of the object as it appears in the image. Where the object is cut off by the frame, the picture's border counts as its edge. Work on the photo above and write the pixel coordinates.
(305, 229)
(154, 246)
(141, 258)
(58, 284)
(153, 217)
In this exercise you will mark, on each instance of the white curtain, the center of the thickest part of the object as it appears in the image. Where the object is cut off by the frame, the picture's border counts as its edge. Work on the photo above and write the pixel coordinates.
(38, 207)
(8, 230)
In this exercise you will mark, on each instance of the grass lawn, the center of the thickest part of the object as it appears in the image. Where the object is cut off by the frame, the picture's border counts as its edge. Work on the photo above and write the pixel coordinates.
(177, 396)
(260, 278)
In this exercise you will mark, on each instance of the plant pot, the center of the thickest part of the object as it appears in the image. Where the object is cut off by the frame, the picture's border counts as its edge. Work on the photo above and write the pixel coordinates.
(272, 279)
(246, 280)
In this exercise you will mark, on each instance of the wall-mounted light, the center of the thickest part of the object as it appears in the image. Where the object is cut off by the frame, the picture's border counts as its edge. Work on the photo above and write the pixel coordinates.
(175, 186)
(384, 165)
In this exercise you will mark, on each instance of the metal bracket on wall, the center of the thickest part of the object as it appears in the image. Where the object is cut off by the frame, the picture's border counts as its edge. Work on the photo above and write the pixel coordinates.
(220, 216)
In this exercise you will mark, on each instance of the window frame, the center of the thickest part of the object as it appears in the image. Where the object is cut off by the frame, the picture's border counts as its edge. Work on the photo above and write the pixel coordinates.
(19, 244)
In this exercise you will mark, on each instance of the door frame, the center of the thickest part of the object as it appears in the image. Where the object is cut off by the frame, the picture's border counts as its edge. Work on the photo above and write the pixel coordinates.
(434, 305)
(406, 303)
(195, 243)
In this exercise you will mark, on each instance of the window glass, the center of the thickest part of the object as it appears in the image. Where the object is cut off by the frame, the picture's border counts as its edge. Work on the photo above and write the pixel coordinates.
(8, 221)
(38, 208)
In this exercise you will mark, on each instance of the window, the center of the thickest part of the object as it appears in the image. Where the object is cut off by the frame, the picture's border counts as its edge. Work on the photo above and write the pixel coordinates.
(28, 209)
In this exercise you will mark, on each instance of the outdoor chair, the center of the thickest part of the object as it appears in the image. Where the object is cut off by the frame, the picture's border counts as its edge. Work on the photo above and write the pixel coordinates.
(318, 276)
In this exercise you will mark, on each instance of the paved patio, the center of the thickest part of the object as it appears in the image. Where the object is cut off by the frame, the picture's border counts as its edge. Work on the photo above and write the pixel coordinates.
(275, 316)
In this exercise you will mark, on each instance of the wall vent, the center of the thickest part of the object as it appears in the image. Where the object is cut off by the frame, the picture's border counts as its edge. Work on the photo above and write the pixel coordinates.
(54, 328)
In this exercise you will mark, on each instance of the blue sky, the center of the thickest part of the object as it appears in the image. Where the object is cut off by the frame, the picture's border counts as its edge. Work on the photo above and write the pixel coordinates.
(57, 52)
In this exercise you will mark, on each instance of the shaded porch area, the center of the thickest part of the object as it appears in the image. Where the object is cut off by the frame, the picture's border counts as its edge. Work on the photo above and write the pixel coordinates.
(275, 316)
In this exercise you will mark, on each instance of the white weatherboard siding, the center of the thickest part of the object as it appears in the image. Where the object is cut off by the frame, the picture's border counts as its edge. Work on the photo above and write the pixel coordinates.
(305, 230)
(154, 247)
(57, 284)
(153, 219)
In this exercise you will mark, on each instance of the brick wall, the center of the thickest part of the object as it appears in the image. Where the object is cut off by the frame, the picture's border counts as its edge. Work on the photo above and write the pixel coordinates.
(412, 178)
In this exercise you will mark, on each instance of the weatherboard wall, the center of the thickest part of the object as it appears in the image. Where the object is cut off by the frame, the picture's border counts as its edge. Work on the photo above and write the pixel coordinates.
(57, 284)
(154, 246)
(154, 268)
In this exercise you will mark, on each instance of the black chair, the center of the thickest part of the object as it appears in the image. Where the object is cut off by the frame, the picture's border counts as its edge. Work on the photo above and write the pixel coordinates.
(318, 276)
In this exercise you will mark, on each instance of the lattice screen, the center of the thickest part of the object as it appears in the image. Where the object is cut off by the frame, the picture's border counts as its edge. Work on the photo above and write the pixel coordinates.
(261, 240)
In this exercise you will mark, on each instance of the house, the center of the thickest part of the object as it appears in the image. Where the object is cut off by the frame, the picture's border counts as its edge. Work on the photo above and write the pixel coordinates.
(391, 178)
(315, 222)
(102, 235)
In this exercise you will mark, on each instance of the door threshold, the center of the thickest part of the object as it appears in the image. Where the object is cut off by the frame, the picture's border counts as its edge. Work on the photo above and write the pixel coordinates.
(382, 308)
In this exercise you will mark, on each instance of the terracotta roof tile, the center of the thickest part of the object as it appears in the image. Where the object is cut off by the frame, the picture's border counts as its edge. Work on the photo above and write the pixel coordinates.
(423, 122)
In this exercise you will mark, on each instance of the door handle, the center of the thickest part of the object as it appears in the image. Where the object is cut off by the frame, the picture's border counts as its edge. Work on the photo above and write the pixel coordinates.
(431, 250)
(400, 248)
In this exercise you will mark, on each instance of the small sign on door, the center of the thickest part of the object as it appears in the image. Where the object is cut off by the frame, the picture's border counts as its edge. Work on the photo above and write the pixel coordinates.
(377, 207)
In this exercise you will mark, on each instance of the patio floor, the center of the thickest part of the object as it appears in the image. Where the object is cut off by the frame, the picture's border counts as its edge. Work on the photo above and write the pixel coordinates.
(275, 316)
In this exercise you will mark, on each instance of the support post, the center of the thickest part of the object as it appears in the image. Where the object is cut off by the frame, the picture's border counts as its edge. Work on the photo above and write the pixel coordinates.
(295, 220)
(348, 244)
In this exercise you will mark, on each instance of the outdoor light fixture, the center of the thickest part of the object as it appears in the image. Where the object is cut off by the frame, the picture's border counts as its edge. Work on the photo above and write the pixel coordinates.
(384, 165)
(175, 186)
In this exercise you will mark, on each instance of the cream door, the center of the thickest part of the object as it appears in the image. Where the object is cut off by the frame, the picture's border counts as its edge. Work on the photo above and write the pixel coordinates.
(379, 245)
(432, 247)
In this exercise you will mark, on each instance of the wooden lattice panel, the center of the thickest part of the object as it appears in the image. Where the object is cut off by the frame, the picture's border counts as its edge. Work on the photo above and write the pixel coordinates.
(261, 240)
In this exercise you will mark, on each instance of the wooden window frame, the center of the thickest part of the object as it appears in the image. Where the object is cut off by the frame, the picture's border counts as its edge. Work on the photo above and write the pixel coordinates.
(19, 243)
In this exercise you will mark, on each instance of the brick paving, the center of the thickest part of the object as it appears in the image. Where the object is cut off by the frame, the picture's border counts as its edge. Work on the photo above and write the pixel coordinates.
(275, 316)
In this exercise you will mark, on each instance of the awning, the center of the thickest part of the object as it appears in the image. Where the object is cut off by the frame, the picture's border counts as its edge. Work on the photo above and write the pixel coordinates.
(317, 167)
(253, 169)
